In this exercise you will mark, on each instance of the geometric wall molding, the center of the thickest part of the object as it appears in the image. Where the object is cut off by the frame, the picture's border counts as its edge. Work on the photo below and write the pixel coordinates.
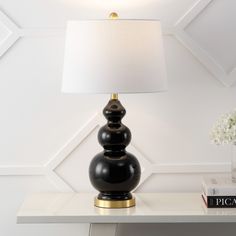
(10, 33)
(227, 78)
(97, 120)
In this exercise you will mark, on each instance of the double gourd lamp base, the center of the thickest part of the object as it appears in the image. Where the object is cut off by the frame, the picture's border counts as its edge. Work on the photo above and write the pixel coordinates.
(114, 172)
(103, 56)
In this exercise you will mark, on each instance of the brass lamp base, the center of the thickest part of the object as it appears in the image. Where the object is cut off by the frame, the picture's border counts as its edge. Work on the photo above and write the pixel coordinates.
(114, 203)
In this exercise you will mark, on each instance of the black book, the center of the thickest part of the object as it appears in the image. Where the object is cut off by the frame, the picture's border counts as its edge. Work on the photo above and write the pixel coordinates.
(219, 201)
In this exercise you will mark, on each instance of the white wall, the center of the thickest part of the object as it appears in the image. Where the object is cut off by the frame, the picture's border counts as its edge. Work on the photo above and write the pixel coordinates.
(47, 138)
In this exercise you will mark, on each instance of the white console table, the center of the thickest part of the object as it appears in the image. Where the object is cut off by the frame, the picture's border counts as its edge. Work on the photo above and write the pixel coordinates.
(151, 208)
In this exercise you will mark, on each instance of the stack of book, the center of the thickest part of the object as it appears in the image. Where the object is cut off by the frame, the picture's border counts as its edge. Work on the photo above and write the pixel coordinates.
(219, 192)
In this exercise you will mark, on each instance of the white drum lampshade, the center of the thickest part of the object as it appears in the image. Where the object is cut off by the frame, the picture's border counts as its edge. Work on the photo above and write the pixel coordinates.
(114, 56)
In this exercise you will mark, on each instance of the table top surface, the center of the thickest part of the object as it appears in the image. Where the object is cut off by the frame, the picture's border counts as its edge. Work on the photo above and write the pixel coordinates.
(150, 208)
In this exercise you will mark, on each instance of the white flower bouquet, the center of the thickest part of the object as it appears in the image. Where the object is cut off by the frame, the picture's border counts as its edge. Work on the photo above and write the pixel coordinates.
(224, 131)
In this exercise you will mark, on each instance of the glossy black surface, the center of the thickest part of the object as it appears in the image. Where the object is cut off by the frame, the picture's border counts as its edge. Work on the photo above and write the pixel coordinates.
(114, 172)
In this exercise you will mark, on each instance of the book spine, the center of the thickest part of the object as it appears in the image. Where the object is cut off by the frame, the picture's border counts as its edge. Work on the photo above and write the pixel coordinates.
(218, 191)
(221, 201)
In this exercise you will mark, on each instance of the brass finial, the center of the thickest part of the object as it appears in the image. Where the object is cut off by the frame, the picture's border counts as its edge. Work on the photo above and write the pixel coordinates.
(113, 16)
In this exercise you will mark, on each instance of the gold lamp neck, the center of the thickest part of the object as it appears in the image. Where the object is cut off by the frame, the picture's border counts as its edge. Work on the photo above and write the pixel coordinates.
(114, 96)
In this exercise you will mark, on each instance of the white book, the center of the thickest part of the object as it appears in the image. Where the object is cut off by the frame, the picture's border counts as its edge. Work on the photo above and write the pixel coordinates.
(218, 186)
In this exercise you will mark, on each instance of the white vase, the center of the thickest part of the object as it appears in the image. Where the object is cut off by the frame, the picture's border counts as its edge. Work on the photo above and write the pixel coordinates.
(233, 162)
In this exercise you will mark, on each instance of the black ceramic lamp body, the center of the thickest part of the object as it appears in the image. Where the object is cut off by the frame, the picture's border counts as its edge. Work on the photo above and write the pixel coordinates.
(114, 172)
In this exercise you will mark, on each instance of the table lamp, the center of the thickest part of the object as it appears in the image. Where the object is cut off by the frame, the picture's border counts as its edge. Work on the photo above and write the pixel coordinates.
(114, 56)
